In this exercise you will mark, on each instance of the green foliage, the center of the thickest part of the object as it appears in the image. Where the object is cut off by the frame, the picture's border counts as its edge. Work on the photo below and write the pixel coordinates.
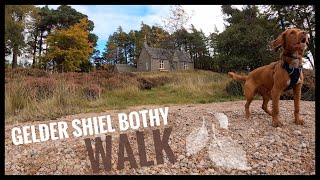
(235, 88)
(86, 66)
(300, 16)
(15, 24)
(244, 43)
(69, 48)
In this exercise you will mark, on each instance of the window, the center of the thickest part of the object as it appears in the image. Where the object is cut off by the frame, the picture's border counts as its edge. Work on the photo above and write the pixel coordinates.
(147, 66)
(185, 66)
(161, 65)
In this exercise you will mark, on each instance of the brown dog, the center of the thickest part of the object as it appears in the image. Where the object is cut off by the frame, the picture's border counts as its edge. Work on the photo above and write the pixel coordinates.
(271, 80)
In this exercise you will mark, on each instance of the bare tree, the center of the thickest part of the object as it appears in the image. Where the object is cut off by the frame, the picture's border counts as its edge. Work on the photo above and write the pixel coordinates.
(177, 20)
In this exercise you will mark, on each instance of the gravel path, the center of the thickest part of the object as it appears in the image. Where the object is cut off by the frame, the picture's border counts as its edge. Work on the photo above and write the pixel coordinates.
(289, 150)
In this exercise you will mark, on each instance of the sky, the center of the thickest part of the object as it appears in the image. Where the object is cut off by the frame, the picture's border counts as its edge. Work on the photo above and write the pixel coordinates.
(107, 18)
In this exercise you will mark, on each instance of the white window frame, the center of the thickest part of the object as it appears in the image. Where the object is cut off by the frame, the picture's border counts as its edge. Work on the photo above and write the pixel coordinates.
(185, 66)
(147, 66)
(161, 64)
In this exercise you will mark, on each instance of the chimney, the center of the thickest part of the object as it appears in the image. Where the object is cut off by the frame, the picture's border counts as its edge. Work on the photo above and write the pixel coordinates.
(145, 41)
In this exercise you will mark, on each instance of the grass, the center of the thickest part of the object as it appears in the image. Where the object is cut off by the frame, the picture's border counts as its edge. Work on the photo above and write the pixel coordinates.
(69, 96)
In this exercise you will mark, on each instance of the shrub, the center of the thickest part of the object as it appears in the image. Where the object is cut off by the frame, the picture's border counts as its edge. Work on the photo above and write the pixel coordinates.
(16, 96)
(307, 90)
(92, 91)
(41, 87)
(151, 82)
(26, 72)
(235, 88)
(120, 81)
(144, 83)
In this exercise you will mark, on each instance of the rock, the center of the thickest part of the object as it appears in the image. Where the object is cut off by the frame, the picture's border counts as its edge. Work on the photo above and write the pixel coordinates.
(53, 167)
(255, 166)
(202, 162)
(182, 164)
(199, 167)
(180, 157)
(25, 153)
(274, 162)
(57, 173)
(279, 154)
(297, 132)
(211, 171)
(184, 169)
(303, 145)
(287, 159)
(296, 161)
(185, 160)
(262, 163)
(256, 144)
(228, 170)
(277, 137)
(292, 151)
(285, 144)
(195, 170)
(270, 164)
(271, 141)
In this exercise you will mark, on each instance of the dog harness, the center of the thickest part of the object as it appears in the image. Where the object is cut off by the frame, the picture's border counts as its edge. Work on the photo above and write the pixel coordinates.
(294, 74)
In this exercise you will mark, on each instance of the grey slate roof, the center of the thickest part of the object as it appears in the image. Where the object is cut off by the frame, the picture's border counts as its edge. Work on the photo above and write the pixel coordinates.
(183, 56)
(159, 53)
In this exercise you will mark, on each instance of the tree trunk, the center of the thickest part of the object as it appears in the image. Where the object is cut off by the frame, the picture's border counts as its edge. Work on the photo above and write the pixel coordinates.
(34, 50)
(125, 61)
(311, 41)
(311, 63)
(14, 57)
(53, 66)
(40, 43)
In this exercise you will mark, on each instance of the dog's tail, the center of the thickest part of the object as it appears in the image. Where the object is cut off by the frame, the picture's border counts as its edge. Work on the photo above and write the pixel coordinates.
(237, 77)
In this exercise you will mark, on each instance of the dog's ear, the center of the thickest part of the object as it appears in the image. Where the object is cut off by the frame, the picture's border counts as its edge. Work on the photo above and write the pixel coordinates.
(277, 43)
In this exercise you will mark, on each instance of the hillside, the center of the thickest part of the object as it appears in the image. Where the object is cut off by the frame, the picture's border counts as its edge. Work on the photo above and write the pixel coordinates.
(33, 94)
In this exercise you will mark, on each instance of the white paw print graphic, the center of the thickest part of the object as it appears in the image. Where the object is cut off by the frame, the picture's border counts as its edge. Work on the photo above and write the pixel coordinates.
(223, 151)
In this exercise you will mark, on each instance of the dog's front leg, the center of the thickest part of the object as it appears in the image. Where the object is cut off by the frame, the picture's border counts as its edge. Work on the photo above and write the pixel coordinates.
(296, 98)
(275, 94)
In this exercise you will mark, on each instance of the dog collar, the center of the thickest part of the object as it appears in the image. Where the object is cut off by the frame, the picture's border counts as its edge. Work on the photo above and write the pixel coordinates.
(294, 74)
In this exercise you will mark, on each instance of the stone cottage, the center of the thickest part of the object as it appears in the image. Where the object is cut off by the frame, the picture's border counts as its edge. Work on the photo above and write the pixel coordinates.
(158, 59)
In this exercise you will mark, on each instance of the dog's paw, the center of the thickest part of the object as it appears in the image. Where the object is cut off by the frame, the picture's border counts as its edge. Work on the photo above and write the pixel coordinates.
(276, 123)
(299, 122)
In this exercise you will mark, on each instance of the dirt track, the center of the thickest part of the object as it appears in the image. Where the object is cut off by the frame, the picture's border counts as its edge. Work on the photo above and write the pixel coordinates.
(286, 150)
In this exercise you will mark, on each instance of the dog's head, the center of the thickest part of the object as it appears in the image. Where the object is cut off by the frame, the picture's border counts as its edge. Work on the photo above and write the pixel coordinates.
(292, 41)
